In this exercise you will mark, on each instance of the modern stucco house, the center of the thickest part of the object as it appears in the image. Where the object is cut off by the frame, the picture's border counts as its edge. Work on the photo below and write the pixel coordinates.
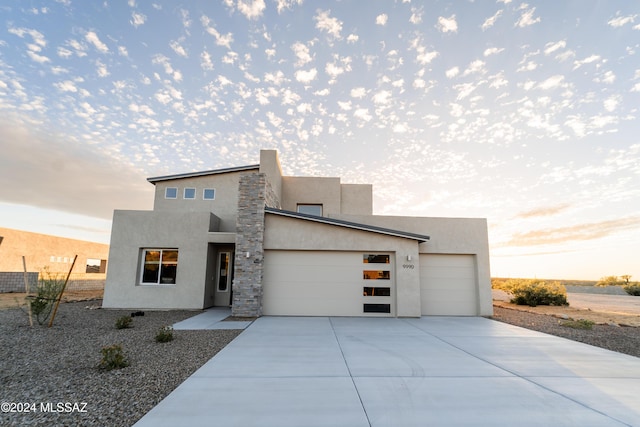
(267, 244)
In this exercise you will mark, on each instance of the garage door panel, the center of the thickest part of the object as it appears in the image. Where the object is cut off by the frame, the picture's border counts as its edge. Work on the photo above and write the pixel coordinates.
(317, 283)
(310, 273)
(449, 273)
(448, 285)
(306, 307)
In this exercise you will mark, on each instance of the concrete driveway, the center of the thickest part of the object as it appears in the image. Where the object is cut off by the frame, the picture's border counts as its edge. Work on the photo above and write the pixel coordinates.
(433, 371)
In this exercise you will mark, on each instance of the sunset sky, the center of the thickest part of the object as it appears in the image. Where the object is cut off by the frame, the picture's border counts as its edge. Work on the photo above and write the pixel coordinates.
(522, 113)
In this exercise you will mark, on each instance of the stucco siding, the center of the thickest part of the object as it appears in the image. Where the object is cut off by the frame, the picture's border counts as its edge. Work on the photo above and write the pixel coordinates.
(311, 190)
(448, 236)
(134, 230)
(293, 234)
(225, 204)
(356, 199)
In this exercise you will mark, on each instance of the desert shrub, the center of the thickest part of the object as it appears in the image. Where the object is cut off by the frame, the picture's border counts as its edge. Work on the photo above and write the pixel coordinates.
(165, 334)
(632, 288)
(123, 322)
(498, 283)
(47, 292)
(578, 324)
(609, 281)
(533, 292)
(113, 358)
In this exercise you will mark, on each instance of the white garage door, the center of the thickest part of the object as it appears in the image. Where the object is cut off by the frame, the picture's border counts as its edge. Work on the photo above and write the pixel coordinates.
(448, 285)
(319, 283)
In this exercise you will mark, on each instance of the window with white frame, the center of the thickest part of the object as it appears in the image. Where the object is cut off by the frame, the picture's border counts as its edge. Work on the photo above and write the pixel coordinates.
(159, 266)
(171, 193)
(189, 193)
(208, 194)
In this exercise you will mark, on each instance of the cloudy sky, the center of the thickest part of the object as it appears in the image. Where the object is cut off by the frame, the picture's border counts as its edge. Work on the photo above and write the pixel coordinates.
(523, 113)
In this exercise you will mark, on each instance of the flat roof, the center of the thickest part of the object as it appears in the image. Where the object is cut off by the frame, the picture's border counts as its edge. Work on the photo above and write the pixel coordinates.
(155, 179)
(348, 224)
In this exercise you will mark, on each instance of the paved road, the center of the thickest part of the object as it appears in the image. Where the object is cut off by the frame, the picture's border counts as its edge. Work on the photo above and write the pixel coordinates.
(623, 304)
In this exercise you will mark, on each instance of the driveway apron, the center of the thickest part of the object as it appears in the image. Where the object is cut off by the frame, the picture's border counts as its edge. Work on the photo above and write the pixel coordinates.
(432, 371)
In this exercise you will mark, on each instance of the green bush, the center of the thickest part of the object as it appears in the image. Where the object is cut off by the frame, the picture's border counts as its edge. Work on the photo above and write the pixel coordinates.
(578, 324)
(47, 292)
(113, 358)
(533, 292)
(632, 288)
(165, 334)
(123, 322)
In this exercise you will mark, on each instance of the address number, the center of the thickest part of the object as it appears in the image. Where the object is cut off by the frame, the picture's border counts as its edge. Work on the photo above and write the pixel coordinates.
(409, 266)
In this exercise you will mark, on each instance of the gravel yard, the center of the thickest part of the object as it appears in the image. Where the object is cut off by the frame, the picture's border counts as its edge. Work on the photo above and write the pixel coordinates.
(42, 365)
(60, 364)
(617, 338)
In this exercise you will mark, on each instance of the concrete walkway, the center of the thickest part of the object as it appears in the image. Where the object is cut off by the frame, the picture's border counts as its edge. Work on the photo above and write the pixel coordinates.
(433, 371)
(212, 318)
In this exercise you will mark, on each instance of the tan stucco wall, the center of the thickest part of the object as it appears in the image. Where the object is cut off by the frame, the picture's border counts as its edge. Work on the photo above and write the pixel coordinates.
(295, 234)
(39, 248)
(448, 236)
(270, 166)
(335, 198)
(312, 190)
(357, 199)
(225, 205)
(135, 230)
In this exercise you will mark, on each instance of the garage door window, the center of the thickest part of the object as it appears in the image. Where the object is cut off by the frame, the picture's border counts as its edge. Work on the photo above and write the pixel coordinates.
(377, 308)
(375, 259)
(376, 275)
(369, 291)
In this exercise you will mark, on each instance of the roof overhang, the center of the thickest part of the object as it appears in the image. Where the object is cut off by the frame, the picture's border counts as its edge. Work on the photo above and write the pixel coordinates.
(155, 179)
(421, 238)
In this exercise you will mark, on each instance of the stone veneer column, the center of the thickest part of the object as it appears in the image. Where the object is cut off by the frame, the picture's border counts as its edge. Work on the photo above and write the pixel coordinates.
(253, 194)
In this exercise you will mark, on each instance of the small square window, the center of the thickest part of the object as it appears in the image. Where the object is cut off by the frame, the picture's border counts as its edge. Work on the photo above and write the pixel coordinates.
(209, 194)
(170, 193)
(310, 209)
(189, 193)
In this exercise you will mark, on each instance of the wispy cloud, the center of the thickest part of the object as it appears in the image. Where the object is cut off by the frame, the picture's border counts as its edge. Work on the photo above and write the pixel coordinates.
(251, 9)
(527, 19)
(489, 22)
(328, 24)
(138, 19)
(620, 21)
(447, 25)
(544, 211)
(93, 38)
(45, 165)
(587, 231)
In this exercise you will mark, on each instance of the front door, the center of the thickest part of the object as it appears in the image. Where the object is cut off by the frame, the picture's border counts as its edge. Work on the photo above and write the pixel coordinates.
(225, 277)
